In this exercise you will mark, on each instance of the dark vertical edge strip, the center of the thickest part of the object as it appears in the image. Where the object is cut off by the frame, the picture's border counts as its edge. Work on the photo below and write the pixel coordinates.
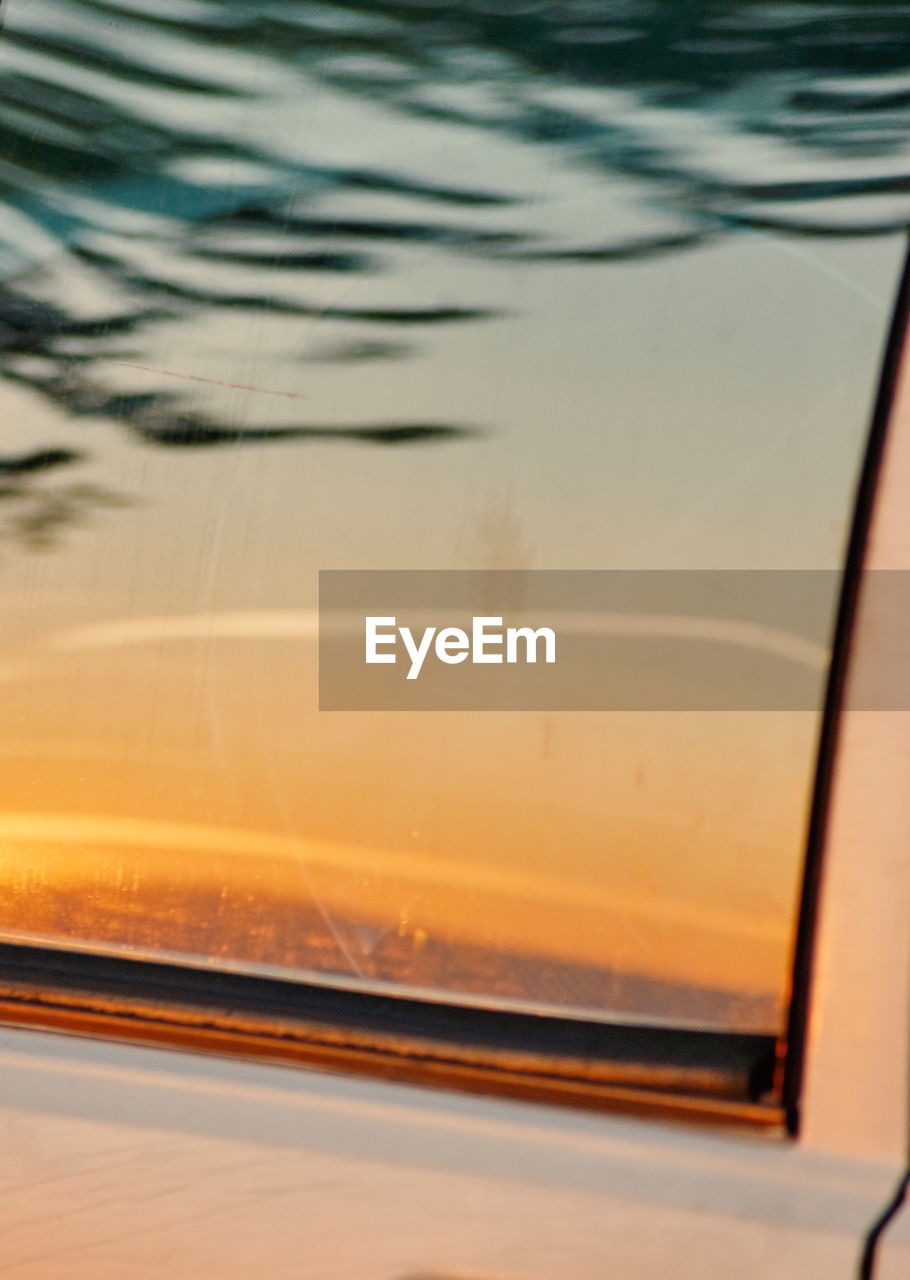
(880, 1226)
(802, 972)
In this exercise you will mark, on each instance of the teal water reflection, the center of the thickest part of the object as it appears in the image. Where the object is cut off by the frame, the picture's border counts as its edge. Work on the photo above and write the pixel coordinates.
(210, 156)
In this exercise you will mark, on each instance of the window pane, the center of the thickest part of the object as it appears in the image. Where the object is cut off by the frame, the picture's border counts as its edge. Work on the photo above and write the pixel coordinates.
(496, 285)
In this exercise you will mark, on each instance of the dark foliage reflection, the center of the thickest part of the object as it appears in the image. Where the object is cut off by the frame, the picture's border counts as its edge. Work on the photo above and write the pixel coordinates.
(116, 163)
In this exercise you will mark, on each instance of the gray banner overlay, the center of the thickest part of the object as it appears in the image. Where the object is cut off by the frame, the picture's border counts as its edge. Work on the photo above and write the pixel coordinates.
(599, 640)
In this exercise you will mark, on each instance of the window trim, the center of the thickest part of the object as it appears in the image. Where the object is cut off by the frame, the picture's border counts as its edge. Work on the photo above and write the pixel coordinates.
(830, 765)
(703, 1075)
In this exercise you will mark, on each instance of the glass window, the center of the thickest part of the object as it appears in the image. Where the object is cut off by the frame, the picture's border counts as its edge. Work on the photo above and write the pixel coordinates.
(496, 285)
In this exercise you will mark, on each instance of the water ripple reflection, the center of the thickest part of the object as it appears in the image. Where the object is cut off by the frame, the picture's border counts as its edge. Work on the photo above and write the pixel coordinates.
(189, 157)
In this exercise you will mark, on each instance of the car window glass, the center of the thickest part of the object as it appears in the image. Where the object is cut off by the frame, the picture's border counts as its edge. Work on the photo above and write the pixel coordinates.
(501, 285)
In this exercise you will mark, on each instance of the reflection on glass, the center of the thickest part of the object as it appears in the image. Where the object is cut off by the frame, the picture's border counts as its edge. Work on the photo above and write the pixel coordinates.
(502, 284)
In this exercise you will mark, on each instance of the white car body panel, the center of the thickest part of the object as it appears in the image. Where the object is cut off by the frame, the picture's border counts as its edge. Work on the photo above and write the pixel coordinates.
(130, 1162)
